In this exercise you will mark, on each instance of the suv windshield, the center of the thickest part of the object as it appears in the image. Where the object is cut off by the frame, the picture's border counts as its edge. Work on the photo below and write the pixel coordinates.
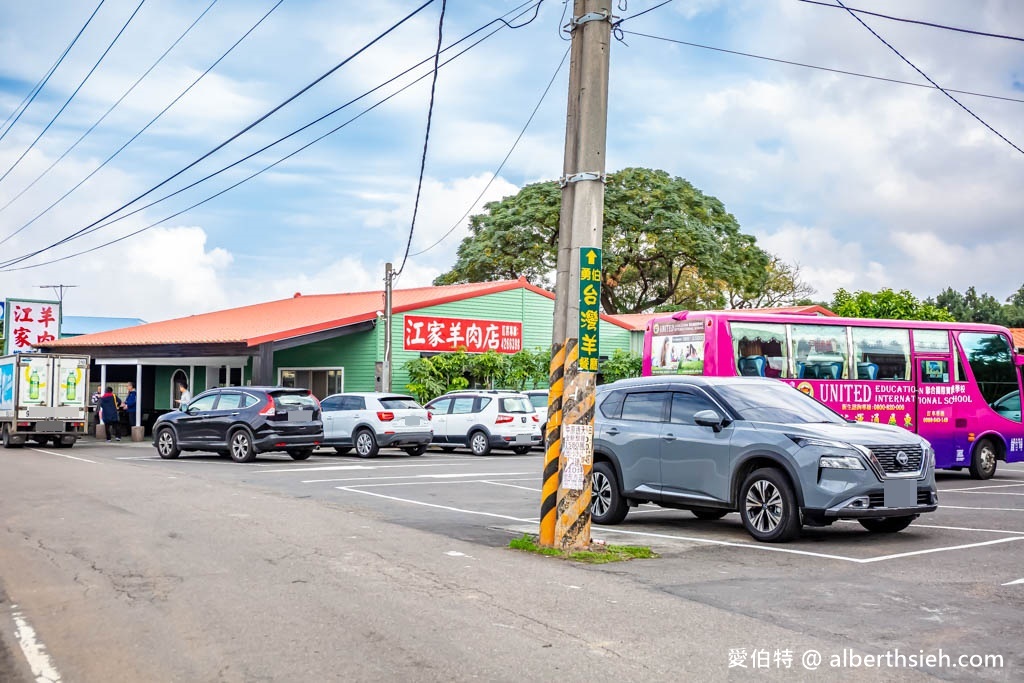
(516, 405)
(775, 402)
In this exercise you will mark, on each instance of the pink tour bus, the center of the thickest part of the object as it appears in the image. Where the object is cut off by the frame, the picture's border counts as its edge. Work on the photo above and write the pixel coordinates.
(956, 384)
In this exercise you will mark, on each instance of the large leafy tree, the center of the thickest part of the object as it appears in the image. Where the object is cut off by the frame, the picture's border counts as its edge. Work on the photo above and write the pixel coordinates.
(886, 303)
(665, 244)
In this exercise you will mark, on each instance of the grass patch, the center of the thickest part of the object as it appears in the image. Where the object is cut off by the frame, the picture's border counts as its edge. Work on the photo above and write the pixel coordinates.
(598, 554)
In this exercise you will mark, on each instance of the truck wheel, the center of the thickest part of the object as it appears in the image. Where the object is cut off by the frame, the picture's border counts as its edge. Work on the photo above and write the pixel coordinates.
(983, 460)
(59, 443)
(6, 438)
(166, 444)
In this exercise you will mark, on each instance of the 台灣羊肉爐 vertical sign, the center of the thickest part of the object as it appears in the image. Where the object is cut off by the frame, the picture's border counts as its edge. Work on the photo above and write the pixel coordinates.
(590, 308)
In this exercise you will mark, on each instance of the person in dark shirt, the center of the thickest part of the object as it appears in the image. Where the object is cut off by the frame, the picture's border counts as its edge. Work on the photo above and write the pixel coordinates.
(108, 413)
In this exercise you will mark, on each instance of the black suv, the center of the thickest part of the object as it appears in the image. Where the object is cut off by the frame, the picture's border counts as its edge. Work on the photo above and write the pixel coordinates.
(241, 422)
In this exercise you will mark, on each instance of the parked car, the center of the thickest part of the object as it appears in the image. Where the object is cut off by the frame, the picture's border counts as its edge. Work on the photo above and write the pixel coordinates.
(369, 421)
(539, 399)
(241, 422)
(715, 445)
(483, 420)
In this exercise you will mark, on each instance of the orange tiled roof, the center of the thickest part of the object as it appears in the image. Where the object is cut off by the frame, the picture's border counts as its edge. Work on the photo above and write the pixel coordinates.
(638, 321)
(1018, 337)
(287, 318)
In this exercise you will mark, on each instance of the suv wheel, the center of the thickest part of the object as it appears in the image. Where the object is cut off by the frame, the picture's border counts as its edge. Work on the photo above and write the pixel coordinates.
(983, 460)
(521, 450)
(166, 444)
(366, 444)
(241, 446)
(607, 506)
(417, 450)
(479, 443)
(887, 525)
(342, 450)
(768, 507)
(300, 453)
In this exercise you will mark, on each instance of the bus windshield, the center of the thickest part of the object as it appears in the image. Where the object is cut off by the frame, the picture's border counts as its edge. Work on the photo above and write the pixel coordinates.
(776, 402)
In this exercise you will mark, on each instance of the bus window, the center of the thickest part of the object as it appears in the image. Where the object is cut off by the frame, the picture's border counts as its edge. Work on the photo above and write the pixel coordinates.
(931, 341)
(881, 353)
(759, 349)
(820, 351)
(991, 361)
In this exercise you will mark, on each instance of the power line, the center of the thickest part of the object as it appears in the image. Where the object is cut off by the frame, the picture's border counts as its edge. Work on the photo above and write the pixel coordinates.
(112, 107)
(820, 68)
(64, 106)
(494, 175)
(93, 229)
(143, 129)
(925, 76)
(43, 81)
(914, 21)
(249, 127)
(426, 136)
(5, 267)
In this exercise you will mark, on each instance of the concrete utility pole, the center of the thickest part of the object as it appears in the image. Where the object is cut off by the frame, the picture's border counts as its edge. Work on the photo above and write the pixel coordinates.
(385, 379)
(565, 503)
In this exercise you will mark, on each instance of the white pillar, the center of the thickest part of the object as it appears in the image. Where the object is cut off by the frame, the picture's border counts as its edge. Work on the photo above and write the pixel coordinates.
(191, 381)
(138, 394)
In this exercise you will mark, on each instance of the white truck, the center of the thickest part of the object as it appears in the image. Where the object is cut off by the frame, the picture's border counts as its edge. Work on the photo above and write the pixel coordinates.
(43, 398)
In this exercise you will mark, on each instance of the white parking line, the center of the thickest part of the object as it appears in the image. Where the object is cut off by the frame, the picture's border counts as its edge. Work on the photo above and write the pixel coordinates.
(35, 652)
(421, 476)
(977, 488)
(941, 550)
(949, 528)
(987, 493)
(62, 455)
(1011, 583)
(434, 505)
(342, 468)
(958, 507)
(511, 486)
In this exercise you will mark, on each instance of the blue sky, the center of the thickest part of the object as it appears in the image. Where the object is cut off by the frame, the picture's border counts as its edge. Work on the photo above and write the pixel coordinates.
(864, 184)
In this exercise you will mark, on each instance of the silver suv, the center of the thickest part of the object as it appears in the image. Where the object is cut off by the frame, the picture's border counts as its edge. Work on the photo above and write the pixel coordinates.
(715, 445)
(484, 420)
(369, 421)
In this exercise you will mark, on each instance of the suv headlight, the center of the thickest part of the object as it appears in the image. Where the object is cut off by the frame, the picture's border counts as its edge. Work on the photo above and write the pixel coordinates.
(929, 456)
(806, 441)
(841, 462)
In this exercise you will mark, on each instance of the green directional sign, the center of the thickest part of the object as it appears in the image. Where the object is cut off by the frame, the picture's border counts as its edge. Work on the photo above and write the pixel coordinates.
(590, 307)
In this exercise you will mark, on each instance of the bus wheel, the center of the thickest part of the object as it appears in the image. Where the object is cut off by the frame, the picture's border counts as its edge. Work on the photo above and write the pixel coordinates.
(983, 460)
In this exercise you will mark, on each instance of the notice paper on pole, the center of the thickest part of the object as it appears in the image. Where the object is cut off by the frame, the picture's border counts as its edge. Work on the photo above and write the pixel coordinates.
(577, 446)
(590, 308)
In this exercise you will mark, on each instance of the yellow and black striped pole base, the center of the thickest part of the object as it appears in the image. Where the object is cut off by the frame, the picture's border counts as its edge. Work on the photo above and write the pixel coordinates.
(576, 458)
(553, 446)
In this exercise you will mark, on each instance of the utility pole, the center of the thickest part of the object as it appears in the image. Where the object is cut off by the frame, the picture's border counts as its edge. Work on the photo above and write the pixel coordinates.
(569, 457)
(385, 379)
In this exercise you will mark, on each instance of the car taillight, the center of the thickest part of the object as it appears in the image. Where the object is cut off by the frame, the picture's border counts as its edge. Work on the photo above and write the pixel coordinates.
(315, 399)
(385, 415)
(430, 415)
(503, 419)
(269, 409)
(536, 419)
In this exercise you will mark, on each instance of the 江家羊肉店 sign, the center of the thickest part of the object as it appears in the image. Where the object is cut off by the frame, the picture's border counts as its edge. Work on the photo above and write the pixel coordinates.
(432, 333)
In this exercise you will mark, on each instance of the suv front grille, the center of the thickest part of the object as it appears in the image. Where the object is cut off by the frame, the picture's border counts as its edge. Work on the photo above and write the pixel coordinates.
(886, 456)
(877, 500)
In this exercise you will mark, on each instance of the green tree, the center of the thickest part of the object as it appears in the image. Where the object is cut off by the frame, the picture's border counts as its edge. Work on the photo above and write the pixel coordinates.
(971, 307)
(665, 243)
(886, 303)
(621, 365)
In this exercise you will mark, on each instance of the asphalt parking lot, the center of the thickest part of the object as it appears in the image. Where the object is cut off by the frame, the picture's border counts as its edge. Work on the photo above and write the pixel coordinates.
(953, 581)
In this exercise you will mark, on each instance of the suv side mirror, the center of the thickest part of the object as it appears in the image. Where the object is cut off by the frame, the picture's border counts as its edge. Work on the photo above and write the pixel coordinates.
(709, 418)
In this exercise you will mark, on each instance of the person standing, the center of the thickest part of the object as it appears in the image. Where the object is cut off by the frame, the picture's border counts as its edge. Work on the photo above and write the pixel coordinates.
(108, 413)
(183, 395)
(129, 406)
